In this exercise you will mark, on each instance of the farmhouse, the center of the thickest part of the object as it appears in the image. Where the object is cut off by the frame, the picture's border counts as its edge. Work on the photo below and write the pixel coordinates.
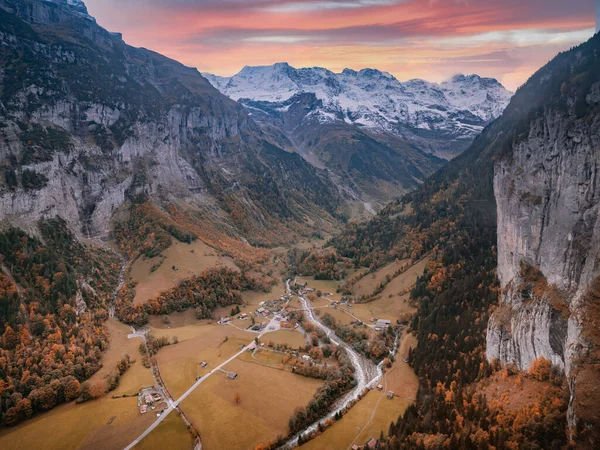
(306, 358)
(143, 409)
(371, 443)
(224, 320)
(203, 364)
(390, 395)
(383, 323)
(232, 375)
(243, 316)
(379, 387)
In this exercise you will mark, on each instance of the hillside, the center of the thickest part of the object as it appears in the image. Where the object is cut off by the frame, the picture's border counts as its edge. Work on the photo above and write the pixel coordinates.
(90, 123)
(544, 145)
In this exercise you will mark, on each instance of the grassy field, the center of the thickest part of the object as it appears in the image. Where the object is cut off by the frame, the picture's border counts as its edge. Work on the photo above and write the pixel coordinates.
(373, 414)
(86, 426)
(188, 260)
(401, 284)
(179, 364)
(325, 286)
(292, 338)
(393, 302)
(268, 398)
(368, 284)
(337, 314)
(104, 423)
(172, 433)
(119, 347)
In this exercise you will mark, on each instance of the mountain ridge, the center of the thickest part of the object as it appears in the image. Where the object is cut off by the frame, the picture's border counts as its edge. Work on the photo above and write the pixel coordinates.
(374, 99)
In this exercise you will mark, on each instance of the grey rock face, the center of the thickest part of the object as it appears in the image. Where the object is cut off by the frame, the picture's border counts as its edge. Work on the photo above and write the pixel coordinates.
(100, 122)
(548, 196)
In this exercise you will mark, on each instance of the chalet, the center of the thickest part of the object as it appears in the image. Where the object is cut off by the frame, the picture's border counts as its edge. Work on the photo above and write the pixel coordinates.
(383, 323)
(243, 316)
(379, 387)
(143, 409)
(390, 395)
(306, 358)
(232, 375)
(371, 443)
(224, 320)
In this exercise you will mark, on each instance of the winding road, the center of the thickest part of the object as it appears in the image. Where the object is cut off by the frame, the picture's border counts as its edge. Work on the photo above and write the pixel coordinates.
(366, 373)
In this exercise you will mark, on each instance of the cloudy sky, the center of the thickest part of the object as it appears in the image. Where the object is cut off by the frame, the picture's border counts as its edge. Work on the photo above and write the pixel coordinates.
(430, 39)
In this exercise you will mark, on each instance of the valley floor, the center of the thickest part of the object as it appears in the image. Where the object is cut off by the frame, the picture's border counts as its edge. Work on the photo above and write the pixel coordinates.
(240, 413)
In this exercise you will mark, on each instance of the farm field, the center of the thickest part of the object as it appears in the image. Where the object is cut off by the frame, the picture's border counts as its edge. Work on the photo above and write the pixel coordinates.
(103, 423)
(86, 426)
(368, 284)
(393, 302)
(373, 414)
(179, 363)
(339, 315)
(188, 260)
(119, 347)
(172, 433)
(322, 285)
(293, 338)
(268, 398)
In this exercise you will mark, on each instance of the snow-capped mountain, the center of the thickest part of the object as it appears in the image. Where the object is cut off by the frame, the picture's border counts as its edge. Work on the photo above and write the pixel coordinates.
(459, 108)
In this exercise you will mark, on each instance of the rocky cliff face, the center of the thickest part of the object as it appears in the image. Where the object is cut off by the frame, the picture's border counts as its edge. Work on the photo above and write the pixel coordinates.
(547, 188)
(87, 122)
(548, 196)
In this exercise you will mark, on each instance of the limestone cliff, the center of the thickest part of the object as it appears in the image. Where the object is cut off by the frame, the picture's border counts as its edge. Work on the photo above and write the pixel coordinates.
(88, 122)
(547, 188)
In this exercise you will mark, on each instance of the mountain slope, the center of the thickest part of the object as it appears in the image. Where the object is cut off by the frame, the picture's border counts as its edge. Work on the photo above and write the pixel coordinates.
(89, 122)
(538, 165)
(378, 137)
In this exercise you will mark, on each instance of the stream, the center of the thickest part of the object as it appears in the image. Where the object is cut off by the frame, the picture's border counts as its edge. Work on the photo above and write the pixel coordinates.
(366, 373)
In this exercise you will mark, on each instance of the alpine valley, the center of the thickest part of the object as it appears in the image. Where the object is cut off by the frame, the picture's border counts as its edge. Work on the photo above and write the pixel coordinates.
(291, 257)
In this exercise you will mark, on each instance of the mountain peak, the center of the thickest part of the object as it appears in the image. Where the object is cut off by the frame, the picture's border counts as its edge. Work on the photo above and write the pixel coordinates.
(374, 99)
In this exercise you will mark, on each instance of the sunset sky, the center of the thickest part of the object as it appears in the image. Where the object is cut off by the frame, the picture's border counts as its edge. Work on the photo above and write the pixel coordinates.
(430, 39)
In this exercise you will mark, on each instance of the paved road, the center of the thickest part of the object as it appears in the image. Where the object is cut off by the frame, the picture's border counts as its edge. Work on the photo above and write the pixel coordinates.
(175, 404)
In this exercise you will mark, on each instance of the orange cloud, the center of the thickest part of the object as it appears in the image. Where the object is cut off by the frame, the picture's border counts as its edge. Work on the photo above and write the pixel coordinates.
(506, 39)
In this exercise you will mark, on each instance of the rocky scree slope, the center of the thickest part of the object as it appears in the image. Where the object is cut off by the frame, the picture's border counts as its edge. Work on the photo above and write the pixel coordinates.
(88, 123)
